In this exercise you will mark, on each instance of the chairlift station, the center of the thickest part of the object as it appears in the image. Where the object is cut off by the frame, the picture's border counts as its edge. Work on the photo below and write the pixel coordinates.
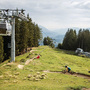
(7, 25)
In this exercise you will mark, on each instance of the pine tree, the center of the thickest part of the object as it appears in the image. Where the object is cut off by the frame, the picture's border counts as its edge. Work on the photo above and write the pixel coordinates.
(23, 36)
(83, 40)
(79, 39)
(17, 35)
(48, 41)
(70, 39)
(37, 35)
(1, 49)
(31, 32)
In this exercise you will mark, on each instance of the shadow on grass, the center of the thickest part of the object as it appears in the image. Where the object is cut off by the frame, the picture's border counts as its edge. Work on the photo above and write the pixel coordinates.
(76, 88)
(65, 51)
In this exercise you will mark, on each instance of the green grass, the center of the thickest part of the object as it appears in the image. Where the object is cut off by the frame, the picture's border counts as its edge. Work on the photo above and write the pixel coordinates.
(51, 59)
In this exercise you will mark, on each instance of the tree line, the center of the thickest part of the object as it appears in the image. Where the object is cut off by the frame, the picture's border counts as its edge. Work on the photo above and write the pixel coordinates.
(27, 34)
(73, 40)
(48, 41)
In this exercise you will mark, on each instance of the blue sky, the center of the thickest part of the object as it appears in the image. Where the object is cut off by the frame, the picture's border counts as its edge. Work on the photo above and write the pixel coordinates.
(54, 14)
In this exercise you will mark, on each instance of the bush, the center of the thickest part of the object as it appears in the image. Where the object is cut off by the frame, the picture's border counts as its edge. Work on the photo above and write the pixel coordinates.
(22, 60)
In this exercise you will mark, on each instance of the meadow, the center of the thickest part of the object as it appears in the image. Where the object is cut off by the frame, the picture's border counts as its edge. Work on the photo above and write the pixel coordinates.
(42, 73)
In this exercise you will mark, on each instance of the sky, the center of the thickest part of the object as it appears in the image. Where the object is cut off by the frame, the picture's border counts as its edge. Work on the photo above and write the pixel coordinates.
(54, 14)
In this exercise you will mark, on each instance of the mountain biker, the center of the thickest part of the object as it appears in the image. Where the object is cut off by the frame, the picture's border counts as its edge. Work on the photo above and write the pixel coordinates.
(68, 68)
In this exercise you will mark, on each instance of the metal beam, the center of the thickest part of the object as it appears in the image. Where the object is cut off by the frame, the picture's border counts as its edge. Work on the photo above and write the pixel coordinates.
(13, 41)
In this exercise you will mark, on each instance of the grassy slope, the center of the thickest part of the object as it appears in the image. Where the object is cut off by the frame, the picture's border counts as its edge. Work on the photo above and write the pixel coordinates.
(51, 59)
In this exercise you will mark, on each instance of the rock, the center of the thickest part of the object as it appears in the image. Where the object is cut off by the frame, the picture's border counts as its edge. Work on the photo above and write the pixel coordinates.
(14, 76)
(38, 73)
(5, 81)
(26, 68)
(15, 81)
(7, 78)
(42, 76)
(31, 70)
(20, 66)
(17, 73)
(6, 73)
(10, 76)
(29, 79)
(33, 78)
(37, 79)
(24, 78)
(1, 77)
(34, 75)
(29, 76)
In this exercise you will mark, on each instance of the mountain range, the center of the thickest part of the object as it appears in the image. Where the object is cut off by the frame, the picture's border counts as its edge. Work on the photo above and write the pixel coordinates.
(57, 35)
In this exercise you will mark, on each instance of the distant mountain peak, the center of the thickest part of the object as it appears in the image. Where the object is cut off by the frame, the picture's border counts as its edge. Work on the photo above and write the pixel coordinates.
(52, 34)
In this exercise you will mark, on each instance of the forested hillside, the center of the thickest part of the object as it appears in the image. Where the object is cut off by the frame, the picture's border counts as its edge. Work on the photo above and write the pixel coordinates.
(27, 34)
(73, 40)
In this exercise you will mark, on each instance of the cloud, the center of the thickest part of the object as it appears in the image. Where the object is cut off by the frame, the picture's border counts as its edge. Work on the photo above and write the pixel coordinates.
(83, 4)
(54, 13)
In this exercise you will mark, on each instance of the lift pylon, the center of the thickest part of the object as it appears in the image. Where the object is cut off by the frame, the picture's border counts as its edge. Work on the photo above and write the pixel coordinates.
(10, 15)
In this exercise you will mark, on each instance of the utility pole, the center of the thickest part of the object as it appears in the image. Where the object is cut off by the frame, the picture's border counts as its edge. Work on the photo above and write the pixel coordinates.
(11, 14)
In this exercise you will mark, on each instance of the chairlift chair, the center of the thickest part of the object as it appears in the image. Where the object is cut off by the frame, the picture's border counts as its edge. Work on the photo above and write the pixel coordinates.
(5, 28)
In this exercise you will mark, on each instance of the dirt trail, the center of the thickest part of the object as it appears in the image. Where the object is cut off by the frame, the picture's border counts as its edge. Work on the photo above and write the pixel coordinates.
(74, 74)
(27, 62)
